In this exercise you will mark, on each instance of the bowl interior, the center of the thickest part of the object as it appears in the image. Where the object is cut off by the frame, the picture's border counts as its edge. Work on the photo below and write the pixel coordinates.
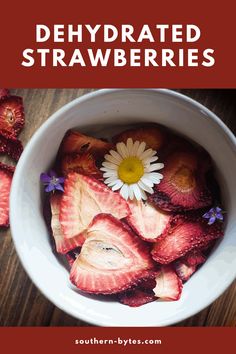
(100, 114)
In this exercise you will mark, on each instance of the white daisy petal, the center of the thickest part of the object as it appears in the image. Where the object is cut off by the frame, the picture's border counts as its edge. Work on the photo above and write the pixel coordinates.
(109, 165)
(113, 183)
(145, 187)
(111, 159)
(137, 191)
(155, 177)
(146, 180)
(129, 145)
(143, 195)
(154, 167)
(124, 191)
(105, 169)
(110, 174)
(118, 185)
(135, 148)
(149, 160)
(131, 192)
(122, 150)
(116, 155)
(141, 148)
(110, 179)
(146, 154)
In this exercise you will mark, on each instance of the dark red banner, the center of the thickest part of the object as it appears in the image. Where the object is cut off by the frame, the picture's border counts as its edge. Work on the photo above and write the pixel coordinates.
(165, 53)
(116, 340)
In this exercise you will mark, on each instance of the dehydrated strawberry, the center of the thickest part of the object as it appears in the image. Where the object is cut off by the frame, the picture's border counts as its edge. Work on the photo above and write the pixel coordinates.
(10, 145)
(154, 136)
(147, 221)
(6, 173)
(12, 115)
(76, 142)
(4, 93)
(112, 258)
(168, 284)
(194, 258)
(183, 186)
(184, 237)
(72, 255)
(84, 163)
(183, 270)
(136, 297)
(63, 245)
(85, 197)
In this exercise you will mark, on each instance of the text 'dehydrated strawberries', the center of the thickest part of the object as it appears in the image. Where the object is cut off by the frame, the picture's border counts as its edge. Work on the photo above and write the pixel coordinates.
(135, 216)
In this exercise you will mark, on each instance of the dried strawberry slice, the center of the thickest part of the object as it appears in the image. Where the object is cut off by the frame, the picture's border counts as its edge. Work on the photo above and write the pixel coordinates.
(84, 198)
(10, 145)
(183, 186)
(84, 163)
(168, 284)
(63, 245)
(4, 93)
(12, 115)
(153, 135)
(76, 142)
(6, 173)
(147, 221)
(184, 237)
(72, 255)
(136, 297)
(112, 258)
(194, 258)
(183, 270)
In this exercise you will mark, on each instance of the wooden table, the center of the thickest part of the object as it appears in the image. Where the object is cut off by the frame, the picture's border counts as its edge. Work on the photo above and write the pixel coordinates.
(21, 304)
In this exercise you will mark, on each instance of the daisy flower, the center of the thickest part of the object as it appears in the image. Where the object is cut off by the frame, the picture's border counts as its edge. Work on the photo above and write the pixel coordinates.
(131, 169)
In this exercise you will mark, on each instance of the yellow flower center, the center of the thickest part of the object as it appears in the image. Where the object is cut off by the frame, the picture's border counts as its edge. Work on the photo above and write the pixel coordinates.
(130, 170)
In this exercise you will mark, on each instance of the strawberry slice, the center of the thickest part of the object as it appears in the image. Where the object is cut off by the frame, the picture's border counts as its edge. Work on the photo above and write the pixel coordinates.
(4, 93)
(183, 186)
(136, 297)
(63, 245)
(194, 258)
(153, 135)
(112, 258)
(10, 145)
(183, 270)
(147, 221)
(76, 142)
(84, 164)
(6, 173)
(184, 237)
(168, 284)
(12, 115)
(84, 198)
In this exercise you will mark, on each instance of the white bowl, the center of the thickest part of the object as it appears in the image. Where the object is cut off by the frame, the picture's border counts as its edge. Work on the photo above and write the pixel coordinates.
(95, 113)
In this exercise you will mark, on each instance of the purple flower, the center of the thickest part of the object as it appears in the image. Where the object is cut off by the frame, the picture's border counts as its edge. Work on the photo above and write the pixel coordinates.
(214, 214)
(52, 182)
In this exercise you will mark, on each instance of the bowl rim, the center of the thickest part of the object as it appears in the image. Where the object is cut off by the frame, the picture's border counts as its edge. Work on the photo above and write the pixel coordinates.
(16, 178)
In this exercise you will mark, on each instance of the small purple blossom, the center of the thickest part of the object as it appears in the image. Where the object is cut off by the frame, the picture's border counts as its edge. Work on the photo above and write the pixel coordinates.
(52, 182)
(214, 214)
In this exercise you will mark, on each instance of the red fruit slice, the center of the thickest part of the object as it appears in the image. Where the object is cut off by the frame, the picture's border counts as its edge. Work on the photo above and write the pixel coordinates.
(152, 135)
(168, 284)
(136, 297)
(184, 237)
(76, 142)
(10, 145)
(112, 258)
(4, 93)
(147, 221)
(12, 115)
(194, 258)
(183, 270)
(84, 198)
(63, 245)
(6, 173)
(183, 186)
(84, 164)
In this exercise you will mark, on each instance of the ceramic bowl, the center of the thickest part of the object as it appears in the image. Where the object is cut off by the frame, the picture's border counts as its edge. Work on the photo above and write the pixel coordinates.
(99, 113)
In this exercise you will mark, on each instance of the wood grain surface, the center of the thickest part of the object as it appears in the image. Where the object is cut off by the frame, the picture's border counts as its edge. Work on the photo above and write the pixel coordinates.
(21, 303)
